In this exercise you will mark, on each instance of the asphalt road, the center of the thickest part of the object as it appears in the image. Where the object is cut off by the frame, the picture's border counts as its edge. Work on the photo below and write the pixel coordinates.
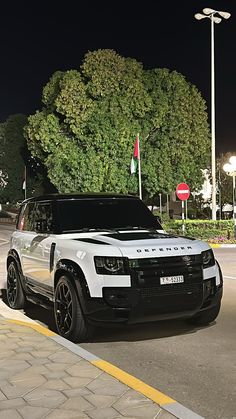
(195, 366)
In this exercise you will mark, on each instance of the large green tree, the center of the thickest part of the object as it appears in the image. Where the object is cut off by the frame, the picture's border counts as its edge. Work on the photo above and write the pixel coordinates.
(178, 143)
(85, 132)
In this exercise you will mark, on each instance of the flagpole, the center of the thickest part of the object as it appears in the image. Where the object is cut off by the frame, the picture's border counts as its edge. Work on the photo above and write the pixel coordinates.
(139, 170)
(24, 182)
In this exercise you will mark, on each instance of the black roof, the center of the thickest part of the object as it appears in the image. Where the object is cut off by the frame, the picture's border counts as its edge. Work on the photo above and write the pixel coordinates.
(67, 196)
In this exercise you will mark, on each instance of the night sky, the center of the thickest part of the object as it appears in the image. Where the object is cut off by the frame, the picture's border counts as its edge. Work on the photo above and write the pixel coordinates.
(39, 37)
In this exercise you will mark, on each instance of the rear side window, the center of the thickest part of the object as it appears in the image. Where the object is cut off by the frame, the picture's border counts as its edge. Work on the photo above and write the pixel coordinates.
(33, 212)
(26, 219)
(43, 212)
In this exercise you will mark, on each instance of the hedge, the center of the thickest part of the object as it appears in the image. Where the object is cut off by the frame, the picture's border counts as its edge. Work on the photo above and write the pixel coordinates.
(215, 231)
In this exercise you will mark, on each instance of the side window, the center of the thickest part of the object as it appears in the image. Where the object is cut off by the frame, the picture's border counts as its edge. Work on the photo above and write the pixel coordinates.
(20, 219)
(25, 221)
(43, 213)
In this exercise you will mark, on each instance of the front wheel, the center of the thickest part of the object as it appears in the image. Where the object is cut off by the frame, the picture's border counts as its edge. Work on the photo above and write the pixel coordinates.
(69, 318)
(206, 317)
(15, 294)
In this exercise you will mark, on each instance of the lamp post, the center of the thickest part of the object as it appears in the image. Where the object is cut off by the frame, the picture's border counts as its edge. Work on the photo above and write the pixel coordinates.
(230, 169)
(213, 15)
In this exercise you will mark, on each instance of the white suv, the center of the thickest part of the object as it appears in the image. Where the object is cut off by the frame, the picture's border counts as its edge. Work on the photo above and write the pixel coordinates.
(105, 258)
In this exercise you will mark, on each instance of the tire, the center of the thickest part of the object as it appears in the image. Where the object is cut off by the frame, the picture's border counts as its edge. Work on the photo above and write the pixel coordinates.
(206, 317)
(69, 319)
(15, 294)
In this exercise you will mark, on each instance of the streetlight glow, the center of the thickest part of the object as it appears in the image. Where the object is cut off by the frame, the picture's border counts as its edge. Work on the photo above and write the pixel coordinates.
(212, 15)
(216, 19)
(225, 15)
(232, 161)
(208, 11)
(227, 167)
(199, 16)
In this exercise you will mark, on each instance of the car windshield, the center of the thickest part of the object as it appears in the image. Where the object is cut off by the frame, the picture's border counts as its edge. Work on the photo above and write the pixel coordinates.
(105, 213)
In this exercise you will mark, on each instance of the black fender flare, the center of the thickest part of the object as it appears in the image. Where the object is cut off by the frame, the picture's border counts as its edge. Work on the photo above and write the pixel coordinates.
(13, 256)
(76, 274)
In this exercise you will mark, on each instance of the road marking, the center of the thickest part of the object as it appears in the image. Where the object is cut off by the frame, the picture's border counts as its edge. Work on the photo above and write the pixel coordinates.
(223, 246)
(41, 329)
(5, 242)
(229, 277)
(133, 382)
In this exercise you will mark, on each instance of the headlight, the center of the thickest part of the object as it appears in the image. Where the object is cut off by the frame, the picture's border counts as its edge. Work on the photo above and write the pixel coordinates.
(208, 258)
(109, 265)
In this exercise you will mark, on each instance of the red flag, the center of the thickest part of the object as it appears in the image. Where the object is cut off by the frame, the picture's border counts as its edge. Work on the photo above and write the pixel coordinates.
(135, 157)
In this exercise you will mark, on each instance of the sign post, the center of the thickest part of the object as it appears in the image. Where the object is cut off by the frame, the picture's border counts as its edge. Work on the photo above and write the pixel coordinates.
(183, 193)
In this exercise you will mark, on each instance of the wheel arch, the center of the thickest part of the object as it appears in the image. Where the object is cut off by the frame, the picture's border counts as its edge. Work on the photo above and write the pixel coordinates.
(76, 274)
(19, 300)
(13, 256)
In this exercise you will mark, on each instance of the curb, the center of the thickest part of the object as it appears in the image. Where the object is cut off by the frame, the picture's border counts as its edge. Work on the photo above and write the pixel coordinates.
(226, 245)
(164, 401)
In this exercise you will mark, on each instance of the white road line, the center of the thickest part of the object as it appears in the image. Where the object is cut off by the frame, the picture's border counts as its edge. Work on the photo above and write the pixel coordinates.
(229, 277)
(5, 242)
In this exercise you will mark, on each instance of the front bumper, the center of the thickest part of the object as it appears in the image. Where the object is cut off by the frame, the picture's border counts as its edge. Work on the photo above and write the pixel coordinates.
(138, 305)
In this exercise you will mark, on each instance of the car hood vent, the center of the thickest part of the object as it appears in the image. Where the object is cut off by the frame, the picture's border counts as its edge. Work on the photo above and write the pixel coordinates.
(90, 240)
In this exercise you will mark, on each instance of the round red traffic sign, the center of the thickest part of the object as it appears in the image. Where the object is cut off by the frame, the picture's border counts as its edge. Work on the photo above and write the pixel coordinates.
(182, 191)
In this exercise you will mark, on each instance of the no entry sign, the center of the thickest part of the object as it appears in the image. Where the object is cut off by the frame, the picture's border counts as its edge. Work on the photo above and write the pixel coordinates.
(182, 191)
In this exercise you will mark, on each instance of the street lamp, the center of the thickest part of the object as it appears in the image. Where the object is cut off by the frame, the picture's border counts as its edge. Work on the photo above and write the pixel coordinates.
(230, 169)
(213, 15)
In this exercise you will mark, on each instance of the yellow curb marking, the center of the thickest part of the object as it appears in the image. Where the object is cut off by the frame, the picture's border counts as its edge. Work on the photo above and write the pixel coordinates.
(214, 245)
(134, 383)
(36, 327)
(122, 376)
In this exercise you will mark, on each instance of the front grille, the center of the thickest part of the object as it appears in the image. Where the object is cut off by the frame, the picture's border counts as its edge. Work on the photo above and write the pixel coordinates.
(168, 298)
(173, 289)
(146, 273)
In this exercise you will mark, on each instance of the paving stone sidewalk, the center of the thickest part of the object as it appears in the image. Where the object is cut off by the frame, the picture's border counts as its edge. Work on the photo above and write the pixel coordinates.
(39, 378)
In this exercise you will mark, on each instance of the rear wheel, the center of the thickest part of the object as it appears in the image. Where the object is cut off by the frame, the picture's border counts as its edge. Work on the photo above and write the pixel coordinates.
(69, 318)
(205, 317)
(15, 294)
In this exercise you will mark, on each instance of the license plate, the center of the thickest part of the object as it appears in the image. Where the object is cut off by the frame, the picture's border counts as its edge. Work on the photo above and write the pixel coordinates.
(171, 279)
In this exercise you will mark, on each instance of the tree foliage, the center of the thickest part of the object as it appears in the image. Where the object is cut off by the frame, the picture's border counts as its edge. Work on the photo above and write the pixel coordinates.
(84, 134)
(16, 161)
(178, 146)
(12, 144)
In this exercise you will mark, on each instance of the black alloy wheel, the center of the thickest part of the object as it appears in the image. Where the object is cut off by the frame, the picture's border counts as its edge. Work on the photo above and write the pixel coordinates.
(15, 295)
(69, 318)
